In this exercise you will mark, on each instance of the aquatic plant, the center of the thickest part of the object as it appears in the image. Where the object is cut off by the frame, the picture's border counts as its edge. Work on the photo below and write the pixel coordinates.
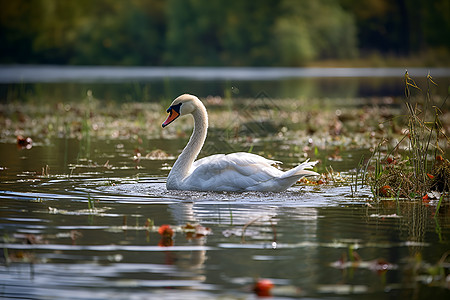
(415, 166)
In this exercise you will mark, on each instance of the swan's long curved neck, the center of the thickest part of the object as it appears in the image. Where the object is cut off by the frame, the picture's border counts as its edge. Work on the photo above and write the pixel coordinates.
(183, 165)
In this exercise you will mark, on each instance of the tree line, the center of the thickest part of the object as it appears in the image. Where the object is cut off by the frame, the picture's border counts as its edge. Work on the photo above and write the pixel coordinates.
(219, 32)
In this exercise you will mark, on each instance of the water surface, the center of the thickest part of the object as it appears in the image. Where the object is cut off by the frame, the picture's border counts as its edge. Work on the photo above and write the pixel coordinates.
(157, 83)
(80, 210)
(58, 246)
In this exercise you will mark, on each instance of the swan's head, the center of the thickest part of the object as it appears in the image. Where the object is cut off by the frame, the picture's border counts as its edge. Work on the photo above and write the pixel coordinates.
(183, 105)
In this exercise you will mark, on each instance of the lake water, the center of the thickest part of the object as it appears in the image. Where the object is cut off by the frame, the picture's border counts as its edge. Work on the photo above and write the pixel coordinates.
(154, 84)
(81, 209)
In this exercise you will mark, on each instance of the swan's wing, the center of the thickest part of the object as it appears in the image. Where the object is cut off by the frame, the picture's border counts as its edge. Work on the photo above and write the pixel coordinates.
(231, 172)
(241, 158)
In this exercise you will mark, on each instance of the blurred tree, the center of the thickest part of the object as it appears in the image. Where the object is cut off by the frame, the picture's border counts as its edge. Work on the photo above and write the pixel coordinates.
(434, 28)
(82, 32)
(257, 32)
(248, 32)
(193, 35)
(58, 23)
(401, 27)
(220, 32)
(121, 33)
(19, 24)
(314, 30)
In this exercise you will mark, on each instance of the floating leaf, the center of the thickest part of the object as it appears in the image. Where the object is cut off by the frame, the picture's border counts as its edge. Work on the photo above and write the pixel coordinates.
(262, 287)
(24, 142)
(157, 154)
(386, 191)
(165, 230)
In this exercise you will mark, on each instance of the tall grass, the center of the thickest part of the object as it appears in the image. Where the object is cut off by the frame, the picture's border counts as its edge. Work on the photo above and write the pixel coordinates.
(414, 165)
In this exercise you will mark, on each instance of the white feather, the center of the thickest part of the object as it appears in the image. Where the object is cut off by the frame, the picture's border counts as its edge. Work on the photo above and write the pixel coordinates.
(231, 172)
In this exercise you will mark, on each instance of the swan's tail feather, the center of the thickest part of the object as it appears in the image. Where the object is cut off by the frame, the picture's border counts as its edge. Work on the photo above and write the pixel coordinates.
(301, 170)
(287, 179)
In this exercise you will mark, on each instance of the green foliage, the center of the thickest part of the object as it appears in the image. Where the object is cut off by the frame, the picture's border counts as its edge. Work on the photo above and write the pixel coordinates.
(82, 32)
(314, 29)
(125, 35)
(401, 27)
(201, 32)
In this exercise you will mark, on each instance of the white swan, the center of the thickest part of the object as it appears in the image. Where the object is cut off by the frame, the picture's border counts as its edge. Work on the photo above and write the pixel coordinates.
(231, 172)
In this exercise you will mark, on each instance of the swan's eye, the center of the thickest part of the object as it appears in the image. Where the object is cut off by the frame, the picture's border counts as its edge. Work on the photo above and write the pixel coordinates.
(175, 108)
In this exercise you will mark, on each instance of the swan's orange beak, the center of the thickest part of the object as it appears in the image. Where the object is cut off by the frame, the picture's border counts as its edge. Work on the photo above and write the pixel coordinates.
(174, 112)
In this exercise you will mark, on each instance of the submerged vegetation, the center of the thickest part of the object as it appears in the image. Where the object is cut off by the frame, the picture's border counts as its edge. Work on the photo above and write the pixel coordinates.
(306, 125)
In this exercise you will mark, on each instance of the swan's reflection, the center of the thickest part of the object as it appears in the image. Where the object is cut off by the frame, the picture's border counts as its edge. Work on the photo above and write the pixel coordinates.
(235, 213)
(238, 225)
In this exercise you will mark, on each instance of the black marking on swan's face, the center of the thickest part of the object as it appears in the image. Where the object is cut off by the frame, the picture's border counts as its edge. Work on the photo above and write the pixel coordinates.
(174, 113)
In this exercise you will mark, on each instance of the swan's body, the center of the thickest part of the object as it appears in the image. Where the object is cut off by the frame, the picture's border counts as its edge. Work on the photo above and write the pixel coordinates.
(223, 172)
